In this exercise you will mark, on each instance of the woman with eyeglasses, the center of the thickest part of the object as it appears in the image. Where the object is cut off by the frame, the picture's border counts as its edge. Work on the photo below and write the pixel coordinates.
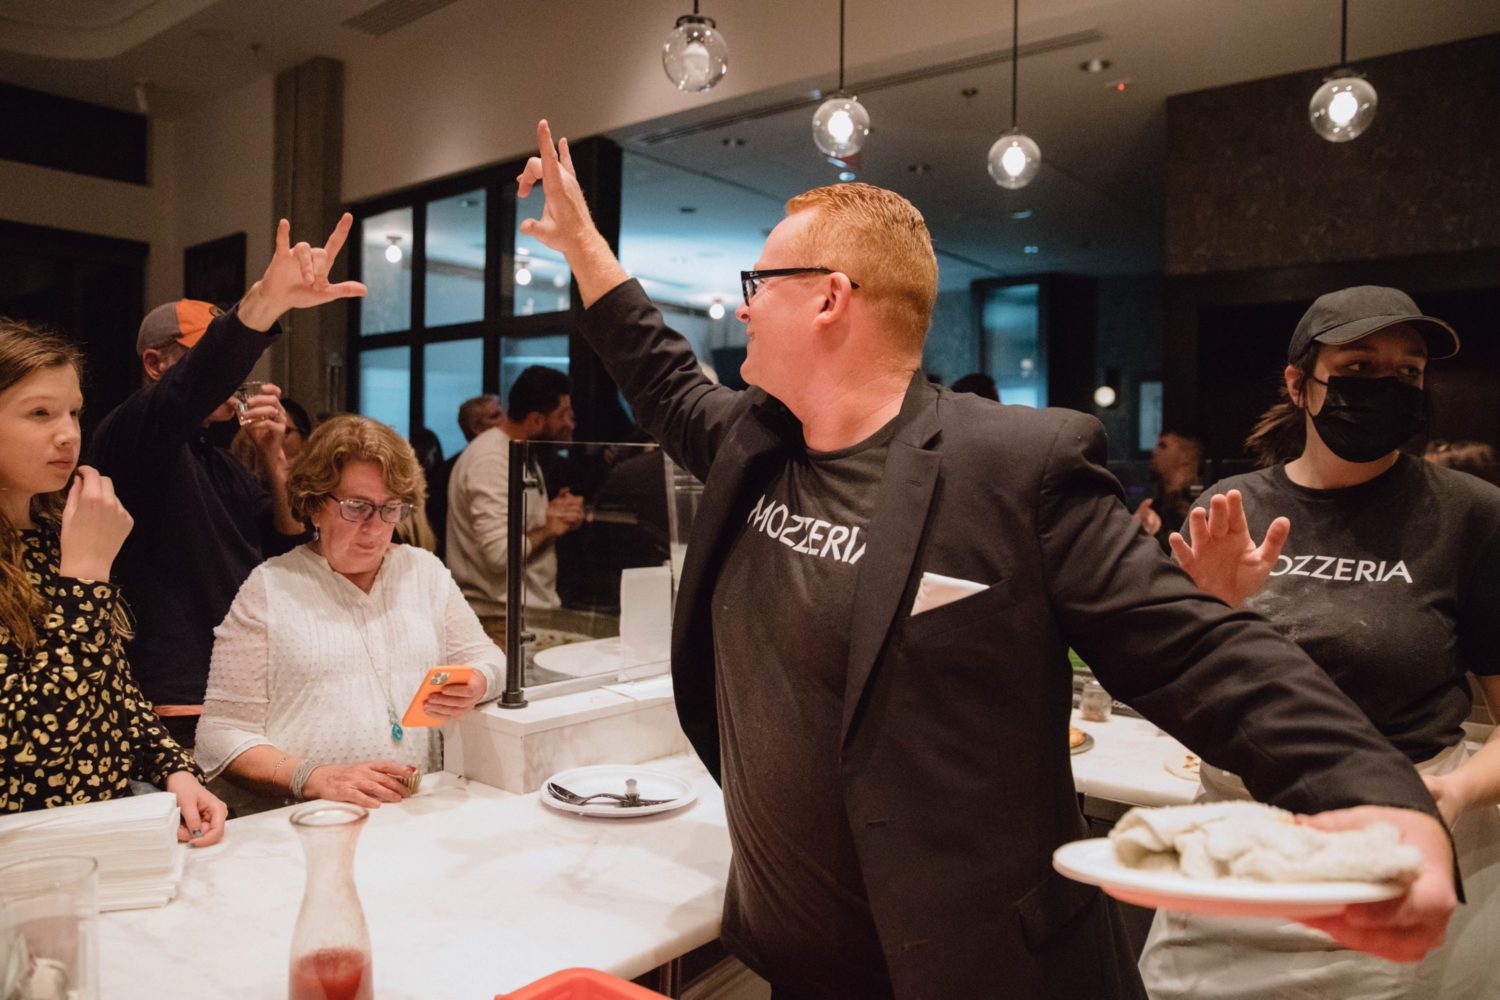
(324, 647)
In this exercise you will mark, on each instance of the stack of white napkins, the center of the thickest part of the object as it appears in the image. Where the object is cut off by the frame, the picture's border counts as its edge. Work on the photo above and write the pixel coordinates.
(1248, 840)
(134, 840)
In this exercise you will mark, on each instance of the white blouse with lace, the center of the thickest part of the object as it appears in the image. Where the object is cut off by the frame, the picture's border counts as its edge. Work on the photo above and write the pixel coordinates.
(307, 662)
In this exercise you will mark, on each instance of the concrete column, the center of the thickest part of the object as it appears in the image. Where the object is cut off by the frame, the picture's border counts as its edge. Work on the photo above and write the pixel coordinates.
(310, 359)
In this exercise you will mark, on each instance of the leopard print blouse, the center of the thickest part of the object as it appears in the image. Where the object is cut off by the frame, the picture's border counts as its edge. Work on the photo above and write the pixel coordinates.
(74, 726)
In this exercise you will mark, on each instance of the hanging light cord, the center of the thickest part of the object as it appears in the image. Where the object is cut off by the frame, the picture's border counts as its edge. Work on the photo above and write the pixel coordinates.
(1344, 37)
(695, 8)
(1015, 49)
(841, 46)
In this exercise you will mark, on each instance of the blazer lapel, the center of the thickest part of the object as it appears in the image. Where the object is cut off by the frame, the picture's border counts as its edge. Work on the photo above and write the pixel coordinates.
(911, 472)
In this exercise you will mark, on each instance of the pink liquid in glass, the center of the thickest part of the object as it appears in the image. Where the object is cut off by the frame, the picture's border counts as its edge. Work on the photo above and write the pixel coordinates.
(331, 974)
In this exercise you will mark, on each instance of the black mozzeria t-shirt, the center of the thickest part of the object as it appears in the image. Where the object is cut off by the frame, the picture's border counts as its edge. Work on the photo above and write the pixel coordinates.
(1392, 586)
(795, 908)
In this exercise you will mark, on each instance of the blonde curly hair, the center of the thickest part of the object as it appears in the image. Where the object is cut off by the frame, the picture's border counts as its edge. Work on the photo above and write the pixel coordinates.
(346, 438)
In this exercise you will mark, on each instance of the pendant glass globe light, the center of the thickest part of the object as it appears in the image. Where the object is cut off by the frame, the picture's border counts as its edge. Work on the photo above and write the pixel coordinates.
(1015, 158)
(1344, 106)
(695, 55)
(841, 123)
(393, 252)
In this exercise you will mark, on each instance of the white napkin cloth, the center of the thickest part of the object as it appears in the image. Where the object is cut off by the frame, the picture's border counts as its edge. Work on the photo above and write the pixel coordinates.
(935, 590)
(1248, 840)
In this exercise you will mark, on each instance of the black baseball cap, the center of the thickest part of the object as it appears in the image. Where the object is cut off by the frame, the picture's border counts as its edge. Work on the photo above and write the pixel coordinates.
(1350, 314)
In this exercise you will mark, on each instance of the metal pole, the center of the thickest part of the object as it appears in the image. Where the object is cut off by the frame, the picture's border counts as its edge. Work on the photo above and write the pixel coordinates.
(514, 695)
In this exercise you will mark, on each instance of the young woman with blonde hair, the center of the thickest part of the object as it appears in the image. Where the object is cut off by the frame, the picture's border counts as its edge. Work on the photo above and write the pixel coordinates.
(74, 727)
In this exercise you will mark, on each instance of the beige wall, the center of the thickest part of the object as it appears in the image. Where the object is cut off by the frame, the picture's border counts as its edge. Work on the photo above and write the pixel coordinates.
(210, 176)
(214, 176)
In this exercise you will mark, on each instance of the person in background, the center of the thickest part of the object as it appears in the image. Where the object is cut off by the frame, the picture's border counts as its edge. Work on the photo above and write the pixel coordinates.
(1386, 570)
(74, 726)
(479, 414)
(1474, 457)
(434, 525)
(298, 427)
(324, 646)
(541, 409)
(980, 385)
(202, 522)
(1175, 463)
(893, 767)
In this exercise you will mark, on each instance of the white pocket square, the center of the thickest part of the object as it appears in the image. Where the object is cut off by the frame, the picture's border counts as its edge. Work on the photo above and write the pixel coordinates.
(935, 590)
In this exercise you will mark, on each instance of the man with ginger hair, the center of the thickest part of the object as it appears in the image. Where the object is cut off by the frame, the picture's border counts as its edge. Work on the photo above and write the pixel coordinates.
(870, 645)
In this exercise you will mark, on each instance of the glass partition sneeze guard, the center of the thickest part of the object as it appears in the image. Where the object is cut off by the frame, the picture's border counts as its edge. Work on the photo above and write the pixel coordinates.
(594, 601)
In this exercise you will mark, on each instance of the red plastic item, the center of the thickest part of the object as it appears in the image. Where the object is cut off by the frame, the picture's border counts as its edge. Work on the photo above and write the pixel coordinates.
(581, 984)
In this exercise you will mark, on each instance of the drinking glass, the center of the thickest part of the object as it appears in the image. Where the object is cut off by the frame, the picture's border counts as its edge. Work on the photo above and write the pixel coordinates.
(242, 399)
(49, 940)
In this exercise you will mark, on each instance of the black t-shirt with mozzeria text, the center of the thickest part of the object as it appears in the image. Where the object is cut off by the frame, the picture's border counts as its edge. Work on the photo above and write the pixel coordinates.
(1391, 586)
(795, 908)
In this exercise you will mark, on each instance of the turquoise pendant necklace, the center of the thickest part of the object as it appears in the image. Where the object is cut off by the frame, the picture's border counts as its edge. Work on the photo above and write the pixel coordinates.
(390, 709)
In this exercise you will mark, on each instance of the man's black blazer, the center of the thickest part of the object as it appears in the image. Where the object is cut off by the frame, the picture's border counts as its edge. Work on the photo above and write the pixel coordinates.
(956, 779)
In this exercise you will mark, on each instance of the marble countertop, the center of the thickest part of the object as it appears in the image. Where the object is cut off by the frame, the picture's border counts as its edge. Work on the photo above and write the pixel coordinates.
(1128, 763)
(468, 891)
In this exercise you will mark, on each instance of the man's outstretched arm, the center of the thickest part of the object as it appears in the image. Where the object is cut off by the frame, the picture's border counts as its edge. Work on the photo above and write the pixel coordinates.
(566, 225)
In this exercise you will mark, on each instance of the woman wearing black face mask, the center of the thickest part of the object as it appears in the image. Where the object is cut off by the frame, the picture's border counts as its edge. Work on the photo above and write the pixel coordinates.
(1386, 570)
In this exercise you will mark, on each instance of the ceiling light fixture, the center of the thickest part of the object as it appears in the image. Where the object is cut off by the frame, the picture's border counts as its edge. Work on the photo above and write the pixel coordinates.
(393, 252)
(841, 122)
(1015, 157)
(716, 311)
(695, 55)
(1095, 65)
(1344, 106)
(523, 274)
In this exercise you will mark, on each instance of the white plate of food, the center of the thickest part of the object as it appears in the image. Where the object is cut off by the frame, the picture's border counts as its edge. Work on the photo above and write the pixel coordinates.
(1093, 862)
(1183, 765)
(656, 791)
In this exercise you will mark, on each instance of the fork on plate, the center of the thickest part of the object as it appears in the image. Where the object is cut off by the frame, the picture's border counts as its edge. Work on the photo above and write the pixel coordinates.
(623, 801)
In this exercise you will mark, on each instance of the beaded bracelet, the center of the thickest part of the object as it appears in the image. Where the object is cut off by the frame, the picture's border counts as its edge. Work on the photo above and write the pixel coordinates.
(277, 768)
(300, 776)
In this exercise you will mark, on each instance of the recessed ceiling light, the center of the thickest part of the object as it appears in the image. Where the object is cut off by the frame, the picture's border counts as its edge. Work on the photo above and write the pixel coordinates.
(732, 141)
(468, 203)
(847, 175)
(1031, 248)
(687, 209)
(920, 168)
(1094, 65)
(969, 91)
(1021, 214)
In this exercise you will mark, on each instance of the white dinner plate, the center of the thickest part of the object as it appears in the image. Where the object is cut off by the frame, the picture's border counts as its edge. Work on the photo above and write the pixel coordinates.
(1093, 862)
(650, 783)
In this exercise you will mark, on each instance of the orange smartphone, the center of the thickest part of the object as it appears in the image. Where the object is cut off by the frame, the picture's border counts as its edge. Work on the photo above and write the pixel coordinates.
(415, 717)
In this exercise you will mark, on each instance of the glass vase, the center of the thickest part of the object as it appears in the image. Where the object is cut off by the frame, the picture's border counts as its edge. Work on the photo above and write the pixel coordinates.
(330, 945)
